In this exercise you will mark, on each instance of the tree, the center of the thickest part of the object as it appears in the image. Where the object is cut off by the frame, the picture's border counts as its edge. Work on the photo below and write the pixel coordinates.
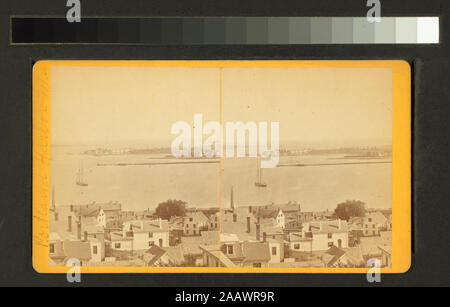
(169, 208)
(350, 208)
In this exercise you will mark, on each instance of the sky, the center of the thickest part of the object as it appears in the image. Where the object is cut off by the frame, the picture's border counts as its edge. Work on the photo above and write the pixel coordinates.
(129, 105)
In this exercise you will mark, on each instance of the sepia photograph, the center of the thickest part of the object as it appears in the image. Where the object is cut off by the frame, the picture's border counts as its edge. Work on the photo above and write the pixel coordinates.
(221, 166)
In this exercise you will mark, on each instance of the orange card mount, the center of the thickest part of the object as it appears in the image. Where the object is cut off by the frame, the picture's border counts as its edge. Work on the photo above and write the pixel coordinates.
(222, 166)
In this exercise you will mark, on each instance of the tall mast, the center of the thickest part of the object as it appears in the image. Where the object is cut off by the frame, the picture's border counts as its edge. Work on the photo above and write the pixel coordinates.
(232, 199)
(260, 173)
(53, 198)
(81, 172)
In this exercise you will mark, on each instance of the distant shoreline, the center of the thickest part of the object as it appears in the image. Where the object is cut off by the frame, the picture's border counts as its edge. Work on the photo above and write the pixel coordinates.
(154, 163)
(323, 164)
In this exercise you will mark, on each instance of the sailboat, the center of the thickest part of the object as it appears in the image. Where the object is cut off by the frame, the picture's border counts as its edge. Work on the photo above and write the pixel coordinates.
(259, 183)
(80, 180)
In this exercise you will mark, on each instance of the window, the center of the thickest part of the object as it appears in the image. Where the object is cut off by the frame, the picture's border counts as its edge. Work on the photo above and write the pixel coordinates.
(370, 220)
(373, 226)
(296, 246)
(117, 245)
(195, 232)
(195, 226)
(160, 242)
(367, 226)
(150, 243)
(150, 234)
(190, 219)
(94, 249)
(330, 244)
(257, 264)
(274, 250)
(330, 235)
(52, 248)
(229, 249)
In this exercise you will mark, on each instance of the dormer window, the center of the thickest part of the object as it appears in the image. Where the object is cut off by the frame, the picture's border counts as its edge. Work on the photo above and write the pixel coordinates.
(229, 249)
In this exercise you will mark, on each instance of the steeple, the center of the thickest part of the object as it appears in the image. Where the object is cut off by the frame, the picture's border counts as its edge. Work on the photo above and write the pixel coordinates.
(53, 207)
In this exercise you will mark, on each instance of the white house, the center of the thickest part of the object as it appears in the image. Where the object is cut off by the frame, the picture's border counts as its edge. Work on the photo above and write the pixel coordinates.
(141, 235)
(97, 250)
(275, 251)
(194, 223)
(373, 222)
(108, 218)
(281, 219)
(121, 242)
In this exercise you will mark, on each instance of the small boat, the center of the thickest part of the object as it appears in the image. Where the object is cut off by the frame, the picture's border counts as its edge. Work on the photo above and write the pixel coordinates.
(80, 180)
(259, 183)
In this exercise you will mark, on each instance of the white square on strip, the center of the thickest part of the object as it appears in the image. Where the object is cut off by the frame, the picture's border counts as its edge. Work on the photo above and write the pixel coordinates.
(428, 30)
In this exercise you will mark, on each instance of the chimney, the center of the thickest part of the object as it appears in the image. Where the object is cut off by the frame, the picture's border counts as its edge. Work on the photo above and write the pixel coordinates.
(264, 237)
(85, 236)
(257, 231)
(234, 217)
(232, 199)
(248, 224)
(69, 223)
(56, 216)
(79, 231)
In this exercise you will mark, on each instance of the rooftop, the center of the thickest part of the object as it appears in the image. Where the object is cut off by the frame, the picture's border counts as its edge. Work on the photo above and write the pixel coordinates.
(147, 226)
(327, 226)
(386, 248)
(255, 251)
(77, 249)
